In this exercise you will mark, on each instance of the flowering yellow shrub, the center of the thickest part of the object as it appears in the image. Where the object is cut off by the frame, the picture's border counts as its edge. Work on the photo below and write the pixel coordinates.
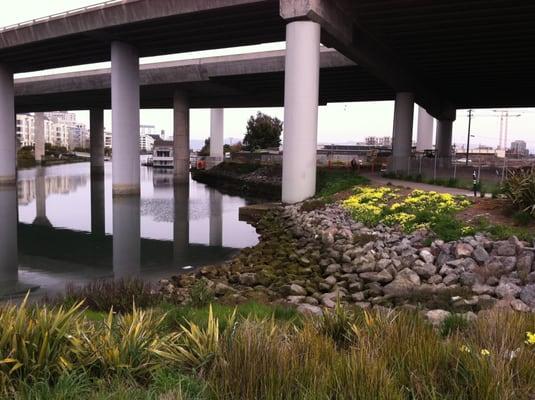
(419, 209)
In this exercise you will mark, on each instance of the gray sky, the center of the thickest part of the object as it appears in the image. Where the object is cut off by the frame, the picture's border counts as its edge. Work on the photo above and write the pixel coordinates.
(338, 122)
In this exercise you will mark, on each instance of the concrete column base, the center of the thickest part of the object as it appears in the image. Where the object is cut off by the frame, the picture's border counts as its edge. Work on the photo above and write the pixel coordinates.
(126, 190)
(211, 162)
(6, 181)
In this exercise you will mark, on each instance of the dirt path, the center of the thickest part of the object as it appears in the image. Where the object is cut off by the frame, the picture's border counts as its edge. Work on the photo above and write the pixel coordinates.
(379, 180)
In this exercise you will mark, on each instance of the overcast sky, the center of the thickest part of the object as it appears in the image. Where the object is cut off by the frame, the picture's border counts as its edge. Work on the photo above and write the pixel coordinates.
(338, 122)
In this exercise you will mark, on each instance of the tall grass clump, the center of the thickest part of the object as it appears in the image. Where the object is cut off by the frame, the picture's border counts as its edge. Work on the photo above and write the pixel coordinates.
(519, 188)
(37, 342)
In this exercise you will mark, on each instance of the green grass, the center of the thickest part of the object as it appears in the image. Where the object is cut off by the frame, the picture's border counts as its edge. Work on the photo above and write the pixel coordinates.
(332, 181)
(501, 231)
(179, 315)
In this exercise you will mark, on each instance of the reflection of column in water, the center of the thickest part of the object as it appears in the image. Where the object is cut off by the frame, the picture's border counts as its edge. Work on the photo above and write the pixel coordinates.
(181, 221)
(98, 212)
(8, 234)
(126, 236)
(40, 198)
(216, 218)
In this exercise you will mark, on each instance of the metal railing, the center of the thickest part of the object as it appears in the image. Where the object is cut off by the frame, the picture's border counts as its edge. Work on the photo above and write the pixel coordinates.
(63, 14)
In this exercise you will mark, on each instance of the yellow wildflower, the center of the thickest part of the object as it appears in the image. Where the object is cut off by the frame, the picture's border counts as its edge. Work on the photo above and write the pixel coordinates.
(530, 338)
(485, 352)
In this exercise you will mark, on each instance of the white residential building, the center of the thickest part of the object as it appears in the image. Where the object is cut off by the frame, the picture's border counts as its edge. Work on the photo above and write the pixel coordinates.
(59, 128)
(108, 140)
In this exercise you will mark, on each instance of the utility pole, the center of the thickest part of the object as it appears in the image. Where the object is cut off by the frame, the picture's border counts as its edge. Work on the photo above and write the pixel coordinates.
(470, 114)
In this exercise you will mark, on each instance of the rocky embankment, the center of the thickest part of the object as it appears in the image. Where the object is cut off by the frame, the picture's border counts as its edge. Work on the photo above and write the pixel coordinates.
(314, 259)
(251, 180)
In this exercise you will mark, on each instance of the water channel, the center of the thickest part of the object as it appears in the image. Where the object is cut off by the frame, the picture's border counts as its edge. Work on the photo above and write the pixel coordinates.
(72, 230)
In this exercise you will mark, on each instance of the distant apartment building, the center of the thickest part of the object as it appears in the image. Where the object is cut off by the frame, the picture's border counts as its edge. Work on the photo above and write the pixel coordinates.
(108, 140)
(147, 136)
(61, 129)
(519, 148)
(385, 141)
(25, 130)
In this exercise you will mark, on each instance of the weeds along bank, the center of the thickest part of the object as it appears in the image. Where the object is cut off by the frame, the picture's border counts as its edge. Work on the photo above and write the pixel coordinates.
(378, 248)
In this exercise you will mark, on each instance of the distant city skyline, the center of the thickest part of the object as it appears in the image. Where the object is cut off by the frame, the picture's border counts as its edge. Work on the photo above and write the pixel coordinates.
(338, 122)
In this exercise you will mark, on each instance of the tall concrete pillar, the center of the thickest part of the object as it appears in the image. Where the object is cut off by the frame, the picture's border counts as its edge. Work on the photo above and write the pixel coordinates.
(96, 141)
(181, 136)
(126, 236)
(443, 140)
(39, 136)
(301, 92)
(181, 222)
(125, 118)
(216, 218)
(8, 141)
(40, 198)
(98, 206)
(424, 139)
(217, 133)
(402, 131)
(8, 234)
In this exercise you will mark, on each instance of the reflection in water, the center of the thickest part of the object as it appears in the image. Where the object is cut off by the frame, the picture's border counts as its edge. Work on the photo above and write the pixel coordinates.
(216, 218)
(126, 236)
(181, 222)
(8, 236)
(89, 234)
(98, 209)
(40, 198)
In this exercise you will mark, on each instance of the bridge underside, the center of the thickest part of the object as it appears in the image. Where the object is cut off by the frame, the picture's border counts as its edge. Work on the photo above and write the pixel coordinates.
(253, 90)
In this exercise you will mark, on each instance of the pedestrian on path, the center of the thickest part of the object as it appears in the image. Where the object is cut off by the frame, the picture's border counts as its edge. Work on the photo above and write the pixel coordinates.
(474, 182)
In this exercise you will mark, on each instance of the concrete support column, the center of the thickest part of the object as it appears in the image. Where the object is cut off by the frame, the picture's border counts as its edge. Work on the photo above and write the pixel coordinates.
(217, 133)
(39, 136)
(180, 223)
(424, 139)
(181, 137)
(8, 141)
(443, 140)
(98, 209)
(301, 92)
(216, 218)
(125, 118)
(126, 236)
(8, 233)
(402, 131)
(96, 141)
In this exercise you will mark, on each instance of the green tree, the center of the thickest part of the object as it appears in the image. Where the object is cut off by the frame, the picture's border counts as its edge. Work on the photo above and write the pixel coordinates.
(205, 151)
(263, 131)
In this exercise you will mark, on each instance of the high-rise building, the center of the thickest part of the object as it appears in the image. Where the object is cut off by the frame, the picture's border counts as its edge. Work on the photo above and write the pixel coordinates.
(519, 147)
(57, 129)
(385, 141)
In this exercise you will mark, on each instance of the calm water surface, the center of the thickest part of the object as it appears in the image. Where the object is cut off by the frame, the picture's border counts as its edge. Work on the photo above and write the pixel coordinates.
(70, 229)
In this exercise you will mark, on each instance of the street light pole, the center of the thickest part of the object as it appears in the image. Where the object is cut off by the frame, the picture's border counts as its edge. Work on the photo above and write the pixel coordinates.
(470, 113)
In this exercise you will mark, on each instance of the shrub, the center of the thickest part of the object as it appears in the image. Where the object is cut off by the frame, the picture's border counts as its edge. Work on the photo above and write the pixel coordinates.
(519, 188)
(201, 295)
(102, 295)
(455, 323)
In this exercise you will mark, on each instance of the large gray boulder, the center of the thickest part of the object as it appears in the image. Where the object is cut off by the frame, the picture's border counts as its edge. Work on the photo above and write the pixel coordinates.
(406, 280)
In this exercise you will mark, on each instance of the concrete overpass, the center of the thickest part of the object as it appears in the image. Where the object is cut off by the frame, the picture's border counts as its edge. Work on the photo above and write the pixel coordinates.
(441, 55)
(246, 80)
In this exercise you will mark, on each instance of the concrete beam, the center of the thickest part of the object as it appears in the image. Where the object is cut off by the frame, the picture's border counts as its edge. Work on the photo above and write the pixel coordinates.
(301, 88)
(343, 31)
(39, 132)
(402, 132)
(96, 140)
(181, 137)
(8, 141)
(217, 135)
(125, 119)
